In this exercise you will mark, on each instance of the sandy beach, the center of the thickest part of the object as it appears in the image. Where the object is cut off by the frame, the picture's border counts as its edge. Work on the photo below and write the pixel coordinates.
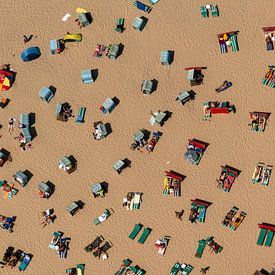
(172, 25)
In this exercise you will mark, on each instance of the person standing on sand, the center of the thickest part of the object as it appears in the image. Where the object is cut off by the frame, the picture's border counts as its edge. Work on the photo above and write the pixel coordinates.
(179, 214)
(11, 124)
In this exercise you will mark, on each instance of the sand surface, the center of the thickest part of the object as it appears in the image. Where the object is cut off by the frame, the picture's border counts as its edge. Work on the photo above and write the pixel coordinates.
(172, 25)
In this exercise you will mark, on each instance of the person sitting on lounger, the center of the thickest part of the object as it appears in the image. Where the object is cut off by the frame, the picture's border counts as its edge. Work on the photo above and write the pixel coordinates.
(262, 121)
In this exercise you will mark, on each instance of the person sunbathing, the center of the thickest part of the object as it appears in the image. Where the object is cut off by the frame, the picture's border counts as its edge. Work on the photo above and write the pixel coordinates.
(47, 220)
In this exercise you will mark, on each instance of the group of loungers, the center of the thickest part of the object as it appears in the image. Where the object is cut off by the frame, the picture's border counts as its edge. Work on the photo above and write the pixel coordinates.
(128, 269)
(228, 39)
(11, 258)
(258, 121)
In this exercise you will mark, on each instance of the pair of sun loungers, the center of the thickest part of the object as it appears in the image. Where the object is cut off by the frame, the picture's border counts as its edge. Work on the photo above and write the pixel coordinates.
(266, 234)
(213, 9)
(101, 249)
(195, 150)
(258, 121)
(172, 183)
(182, 268)
(227, 177)
(132, 200)
(233, 219)
(262, 173)
(146, 232)
(210, 242)
(269, 78)
(78, 270)
(228, 39)
(7, 223)
(161, 245)
(198, 210)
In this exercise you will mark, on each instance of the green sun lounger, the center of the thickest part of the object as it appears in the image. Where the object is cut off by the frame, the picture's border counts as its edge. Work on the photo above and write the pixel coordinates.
(272, 84)
(200, 248)
(234, 43)
(175, 269)
(119, 25)
(135, 231)
(146, 232)
(265, 81)
(126, 263)
(25, 262)
(204, 11)
(214, 11)
(269, 238)
(71, 271)
(261, 236)
(80, 115)
(80, 269)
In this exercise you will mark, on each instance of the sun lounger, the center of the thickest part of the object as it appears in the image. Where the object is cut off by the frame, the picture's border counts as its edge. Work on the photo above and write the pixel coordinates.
(161, 245)
(204, 11)
(83, 18)
(228, 218)
(102, 217)
(119, 25)
(234, 43)
(125, 264)
(262, 236)
(185, 269)
(269, 238)
(87, 76)
(25, 262)
(214, 10)
(135, 231)
(80, 269)
(24, 119)
(142, 6)
(26, 133)
(202, 212)
(136, 200)
(46, 94)
(153, 2)
(138, 23)
(80, 115)
(113, 51)
(235, 222)
(257, 172)
(63, 254)
(165, 58)
(103, 248)
(200, 248)
(146, 232)
(266, 174)
(175, 269)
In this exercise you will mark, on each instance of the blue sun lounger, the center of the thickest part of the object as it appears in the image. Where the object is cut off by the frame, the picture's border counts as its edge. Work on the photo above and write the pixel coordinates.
(142, 6)
(80, 115)
(87, 76)
(25, 262)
